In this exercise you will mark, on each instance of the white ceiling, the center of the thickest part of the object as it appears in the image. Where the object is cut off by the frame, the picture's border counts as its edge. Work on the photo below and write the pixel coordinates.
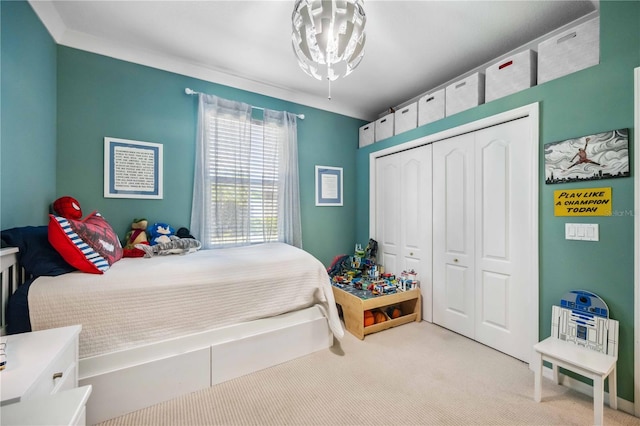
(412, 46)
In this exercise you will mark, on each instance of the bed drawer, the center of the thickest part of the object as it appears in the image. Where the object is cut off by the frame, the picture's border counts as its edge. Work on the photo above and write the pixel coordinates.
(268, 345)
(118, 391)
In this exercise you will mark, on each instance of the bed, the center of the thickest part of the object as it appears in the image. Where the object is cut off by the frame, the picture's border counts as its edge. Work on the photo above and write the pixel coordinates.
(155, 328)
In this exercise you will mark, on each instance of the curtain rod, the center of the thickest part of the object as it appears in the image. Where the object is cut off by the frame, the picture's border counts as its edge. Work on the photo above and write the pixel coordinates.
(193, 92)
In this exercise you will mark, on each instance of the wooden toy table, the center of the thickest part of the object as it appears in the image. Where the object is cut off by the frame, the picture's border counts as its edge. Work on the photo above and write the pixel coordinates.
(355, 302)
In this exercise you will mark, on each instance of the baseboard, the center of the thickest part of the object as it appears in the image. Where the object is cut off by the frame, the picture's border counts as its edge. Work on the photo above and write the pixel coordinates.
(577, 385)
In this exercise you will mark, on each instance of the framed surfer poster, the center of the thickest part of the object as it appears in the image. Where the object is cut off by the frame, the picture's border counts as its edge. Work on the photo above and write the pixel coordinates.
(599, 156)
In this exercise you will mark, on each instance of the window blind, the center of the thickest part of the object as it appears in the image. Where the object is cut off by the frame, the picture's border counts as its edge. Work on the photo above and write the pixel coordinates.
(243, 182)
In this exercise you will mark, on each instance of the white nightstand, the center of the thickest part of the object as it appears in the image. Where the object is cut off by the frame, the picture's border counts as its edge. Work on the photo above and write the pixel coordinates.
(62, 408)
(39, 364)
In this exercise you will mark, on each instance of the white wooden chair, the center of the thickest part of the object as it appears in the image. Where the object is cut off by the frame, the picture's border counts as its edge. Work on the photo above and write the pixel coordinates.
(585, 344)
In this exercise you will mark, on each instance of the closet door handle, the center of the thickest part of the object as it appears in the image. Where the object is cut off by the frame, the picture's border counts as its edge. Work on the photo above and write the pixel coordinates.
(455, 260)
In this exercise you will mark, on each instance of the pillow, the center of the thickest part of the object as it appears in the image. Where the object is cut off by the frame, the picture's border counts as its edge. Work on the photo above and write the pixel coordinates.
(37, 256)
(90, 245)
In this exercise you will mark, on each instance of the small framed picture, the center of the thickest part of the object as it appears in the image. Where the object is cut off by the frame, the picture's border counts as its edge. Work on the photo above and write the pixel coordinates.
(328, 186)
(132, 169)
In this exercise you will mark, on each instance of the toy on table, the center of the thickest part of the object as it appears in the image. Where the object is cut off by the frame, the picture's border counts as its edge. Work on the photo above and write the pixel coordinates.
(372, 250)
(408, 280)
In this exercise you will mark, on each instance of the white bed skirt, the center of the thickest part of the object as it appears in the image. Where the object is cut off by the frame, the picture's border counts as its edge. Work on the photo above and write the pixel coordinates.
(133, 379)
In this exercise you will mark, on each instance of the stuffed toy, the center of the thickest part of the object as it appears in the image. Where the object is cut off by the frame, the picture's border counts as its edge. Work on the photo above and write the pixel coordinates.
(184, 233)
(137, 235)
(67, 207)
(175, 246)
(161, 233)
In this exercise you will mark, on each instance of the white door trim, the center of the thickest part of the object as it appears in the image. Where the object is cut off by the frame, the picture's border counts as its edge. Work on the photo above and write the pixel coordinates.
(636, 263)
(532, 111)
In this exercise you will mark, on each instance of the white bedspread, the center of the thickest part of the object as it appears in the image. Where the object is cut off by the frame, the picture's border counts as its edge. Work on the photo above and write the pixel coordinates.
(139, 301)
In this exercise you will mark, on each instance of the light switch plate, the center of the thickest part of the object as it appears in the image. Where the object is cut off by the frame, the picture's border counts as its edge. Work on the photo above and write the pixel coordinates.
(582, 231)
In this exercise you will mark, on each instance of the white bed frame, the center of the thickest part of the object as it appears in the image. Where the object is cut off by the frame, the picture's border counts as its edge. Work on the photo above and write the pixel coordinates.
(132, 379)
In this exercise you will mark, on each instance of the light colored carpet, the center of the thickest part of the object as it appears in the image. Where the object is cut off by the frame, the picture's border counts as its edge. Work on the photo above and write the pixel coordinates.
(415, 374)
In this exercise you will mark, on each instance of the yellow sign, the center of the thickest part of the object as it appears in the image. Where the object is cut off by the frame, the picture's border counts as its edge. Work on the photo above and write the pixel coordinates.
(582, 202)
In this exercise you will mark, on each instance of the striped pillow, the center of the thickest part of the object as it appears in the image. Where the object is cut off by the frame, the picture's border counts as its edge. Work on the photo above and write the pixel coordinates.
(90, 245)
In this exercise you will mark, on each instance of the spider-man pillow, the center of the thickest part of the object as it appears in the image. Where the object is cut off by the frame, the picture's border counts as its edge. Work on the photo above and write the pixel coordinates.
(90, 245)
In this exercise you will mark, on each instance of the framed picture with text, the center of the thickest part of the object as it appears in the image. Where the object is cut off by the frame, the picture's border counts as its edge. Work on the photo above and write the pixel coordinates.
(132, 169)
(328, 186)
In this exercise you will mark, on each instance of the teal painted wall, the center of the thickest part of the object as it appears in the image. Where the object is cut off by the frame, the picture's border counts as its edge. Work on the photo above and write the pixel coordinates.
(593, 100)
(100, 96)
(27, 116)
(92, 96)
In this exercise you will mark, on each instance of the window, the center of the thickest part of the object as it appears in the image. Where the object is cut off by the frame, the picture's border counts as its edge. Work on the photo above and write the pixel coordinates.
(245, 188)
(243, 184)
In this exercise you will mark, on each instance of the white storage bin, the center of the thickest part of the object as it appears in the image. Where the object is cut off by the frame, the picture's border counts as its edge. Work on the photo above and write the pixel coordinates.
(384, 127)
(570, 51)
(511, 75)
(367, 134)
(431, 107)
(406, 118)
(464, 94)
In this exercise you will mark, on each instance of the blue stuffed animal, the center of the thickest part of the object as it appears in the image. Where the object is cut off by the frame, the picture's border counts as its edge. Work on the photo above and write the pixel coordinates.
(161, 233)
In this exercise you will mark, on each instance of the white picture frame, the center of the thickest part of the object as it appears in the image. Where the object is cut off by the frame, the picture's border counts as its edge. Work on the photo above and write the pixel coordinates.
(329, 187)
(132, 169)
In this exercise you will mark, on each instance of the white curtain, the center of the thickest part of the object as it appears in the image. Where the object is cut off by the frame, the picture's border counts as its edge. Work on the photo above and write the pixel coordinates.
(289, 223)
(229, 175)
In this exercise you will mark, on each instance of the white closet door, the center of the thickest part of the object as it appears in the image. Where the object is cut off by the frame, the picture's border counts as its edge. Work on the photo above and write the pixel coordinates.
(416, 219)
(403, 216)
(453, 234)
(503, 231)
(481, 235)
(388, 176)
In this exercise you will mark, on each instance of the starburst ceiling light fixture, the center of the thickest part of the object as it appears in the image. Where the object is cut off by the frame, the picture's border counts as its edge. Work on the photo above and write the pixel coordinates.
(328, 37)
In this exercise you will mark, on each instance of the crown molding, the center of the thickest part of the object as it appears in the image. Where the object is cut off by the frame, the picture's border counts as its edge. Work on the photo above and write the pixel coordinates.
(77, 40)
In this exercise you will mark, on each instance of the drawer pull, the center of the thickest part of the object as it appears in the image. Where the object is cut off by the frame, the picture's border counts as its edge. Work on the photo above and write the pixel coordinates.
(506, 64)
(57, 375)
(567, 37)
